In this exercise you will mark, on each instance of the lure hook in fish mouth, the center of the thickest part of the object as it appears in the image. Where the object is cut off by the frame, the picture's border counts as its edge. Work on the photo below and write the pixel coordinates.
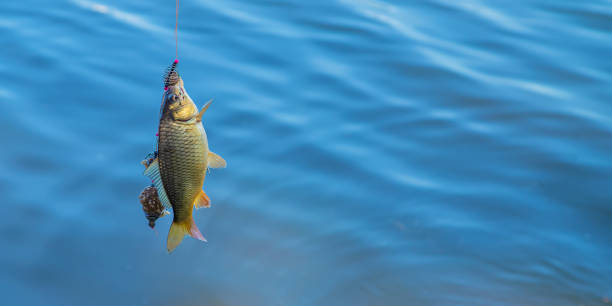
(171, 77)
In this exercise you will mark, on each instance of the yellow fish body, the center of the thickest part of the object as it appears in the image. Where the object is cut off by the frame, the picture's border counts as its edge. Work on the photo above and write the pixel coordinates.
(183, 158)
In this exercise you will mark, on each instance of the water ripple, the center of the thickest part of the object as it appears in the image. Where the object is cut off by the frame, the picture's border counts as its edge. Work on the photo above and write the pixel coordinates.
(379, 151)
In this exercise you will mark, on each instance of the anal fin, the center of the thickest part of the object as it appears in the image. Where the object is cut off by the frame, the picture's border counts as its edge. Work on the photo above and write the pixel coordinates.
(202, 200)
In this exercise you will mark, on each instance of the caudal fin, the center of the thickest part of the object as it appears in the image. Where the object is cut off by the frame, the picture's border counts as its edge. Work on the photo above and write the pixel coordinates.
(178, 230)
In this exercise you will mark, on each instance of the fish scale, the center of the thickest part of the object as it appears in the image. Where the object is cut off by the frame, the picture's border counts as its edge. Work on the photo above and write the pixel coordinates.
(182, 157)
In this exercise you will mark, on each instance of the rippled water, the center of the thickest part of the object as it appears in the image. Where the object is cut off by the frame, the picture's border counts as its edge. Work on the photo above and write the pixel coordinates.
(380, 152)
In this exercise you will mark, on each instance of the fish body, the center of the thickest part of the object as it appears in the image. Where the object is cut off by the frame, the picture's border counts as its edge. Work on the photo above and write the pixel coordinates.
(183, 158)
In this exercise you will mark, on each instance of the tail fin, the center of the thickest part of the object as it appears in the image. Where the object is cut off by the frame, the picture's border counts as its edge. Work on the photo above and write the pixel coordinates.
(179, 229)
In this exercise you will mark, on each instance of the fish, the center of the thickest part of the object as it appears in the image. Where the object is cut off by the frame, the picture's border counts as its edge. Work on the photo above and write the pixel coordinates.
(183, 158)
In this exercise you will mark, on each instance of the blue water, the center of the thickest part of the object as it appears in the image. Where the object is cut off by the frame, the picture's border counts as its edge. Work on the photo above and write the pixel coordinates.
(379, 152)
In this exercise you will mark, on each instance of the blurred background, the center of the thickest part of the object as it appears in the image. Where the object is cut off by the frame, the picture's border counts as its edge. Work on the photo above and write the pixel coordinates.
(379, 152)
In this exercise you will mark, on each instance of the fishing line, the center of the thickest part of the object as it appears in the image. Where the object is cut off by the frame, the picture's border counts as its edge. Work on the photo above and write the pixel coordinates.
(171, 75)
(176, 30)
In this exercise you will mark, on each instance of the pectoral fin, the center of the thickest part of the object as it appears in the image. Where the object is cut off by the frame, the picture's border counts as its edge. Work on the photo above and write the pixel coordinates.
(202, 200)
(216, 161)
(152, 172)
(203, 110)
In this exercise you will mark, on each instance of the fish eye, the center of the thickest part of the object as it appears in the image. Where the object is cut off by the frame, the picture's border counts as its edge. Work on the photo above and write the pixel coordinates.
(173, 97)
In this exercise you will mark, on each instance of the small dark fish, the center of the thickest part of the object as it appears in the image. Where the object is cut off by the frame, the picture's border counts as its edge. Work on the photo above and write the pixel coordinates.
(151, 205)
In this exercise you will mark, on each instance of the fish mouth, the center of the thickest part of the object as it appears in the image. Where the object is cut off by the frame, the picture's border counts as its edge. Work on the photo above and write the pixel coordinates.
(175, 101)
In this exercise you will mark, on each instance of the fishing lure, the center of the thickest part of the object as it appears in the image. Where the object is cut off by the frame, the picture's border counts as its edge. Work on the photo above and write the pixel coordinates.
(171, 76)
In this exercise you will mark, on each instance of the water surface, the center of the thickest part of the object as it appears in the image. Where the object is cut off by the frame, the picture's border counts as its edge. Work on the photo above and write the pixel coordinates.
(380, 152)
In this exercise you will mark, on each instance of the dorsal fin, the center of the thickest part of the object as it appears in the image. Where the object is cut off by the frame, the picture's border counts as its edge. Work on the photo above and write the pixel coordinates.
(152, 172)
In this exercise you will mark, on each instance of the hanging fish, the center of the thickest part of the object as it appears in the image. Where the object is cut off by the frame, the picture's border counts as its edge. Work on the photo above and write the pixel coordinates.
(182, 159)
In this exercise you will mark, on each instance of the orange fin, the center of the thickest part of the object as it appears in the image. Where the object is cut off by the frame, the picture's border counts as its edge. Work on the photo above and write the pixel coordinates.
(178, 230)
(202, 200)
